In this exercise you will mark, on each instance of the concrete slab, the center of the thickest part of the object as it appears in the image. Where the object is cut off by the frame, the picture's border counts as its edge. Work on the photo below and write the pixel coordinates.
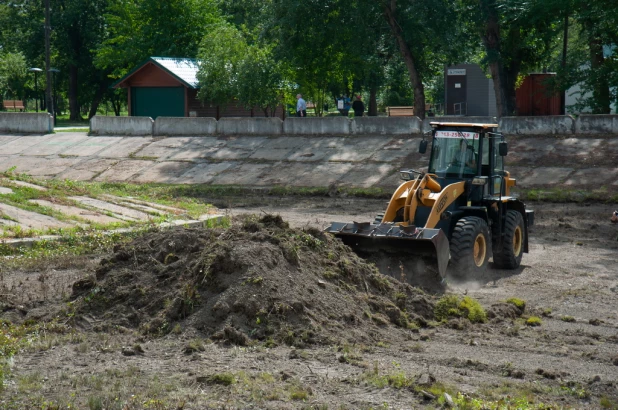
(167, 209)
(91, 146)
(23, 143)
(117, 210)
(271, 154)
(32, 220)
(285, 143)
(164, 148)
(86, 214)
(41, 167)
(6, 191)
(56, 144)
(6, 181)
(204, 173)
(88, 169)
(396, 149)
(248, 143)
(543, 176)
(285, 173)
(367, 175)
(164, 172)
(245, 174)
(124, 170)
(125, 147)
(323, 174)
(591, 177)
(5, 139)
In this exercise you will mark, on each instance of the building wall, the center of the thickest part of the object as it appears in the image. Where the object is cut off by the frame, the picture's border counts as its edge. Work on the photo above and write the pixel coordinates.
(199, 109)
(480, 96)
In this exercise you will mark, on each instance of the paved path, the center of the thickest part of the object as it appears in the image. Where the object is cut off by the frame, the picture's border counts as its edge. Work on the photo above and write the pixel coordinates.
(291, 161)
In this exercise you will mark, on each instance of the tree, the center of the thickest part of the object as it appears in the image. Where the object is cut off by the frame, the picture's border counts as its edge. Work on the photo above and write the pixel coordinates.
(231, 69)
(13, 75)
(517, 36)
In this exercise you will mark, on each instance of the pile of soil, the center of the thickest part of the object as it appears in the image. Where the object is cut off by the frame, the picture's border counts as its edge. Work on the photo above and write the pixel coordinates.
(256, 280)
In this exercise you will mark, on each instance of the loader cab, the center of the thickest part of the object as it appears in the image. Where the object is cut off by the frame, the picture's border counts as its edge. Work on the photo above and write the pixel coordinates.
(468, 152)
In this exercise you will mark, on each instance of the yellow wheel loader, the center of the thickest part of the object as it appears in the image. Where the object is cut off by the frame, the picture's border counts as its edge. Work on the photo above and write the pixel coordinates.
(453, 218)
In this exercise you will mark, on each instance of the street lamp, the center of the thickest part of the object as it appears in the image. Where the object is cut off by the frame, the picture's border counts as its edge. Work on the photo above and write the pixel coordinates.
(54, 91)
(36, 70)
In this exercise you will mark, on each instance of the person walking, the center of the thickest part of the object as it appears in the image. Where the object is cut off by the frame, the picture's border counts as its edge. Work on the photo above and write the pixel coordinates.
(301, 106)
(358, 106)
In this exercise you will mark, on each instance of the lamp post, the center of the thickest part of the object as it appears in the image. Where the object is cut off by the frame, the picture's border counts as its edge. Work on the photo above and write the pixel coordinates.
(53, 71)
(36, 70)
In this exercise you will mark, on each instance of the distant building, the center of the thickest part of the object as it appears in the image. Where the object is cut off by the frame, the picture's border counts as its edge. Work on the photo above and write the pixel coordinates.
(167, 87)
(469, 91)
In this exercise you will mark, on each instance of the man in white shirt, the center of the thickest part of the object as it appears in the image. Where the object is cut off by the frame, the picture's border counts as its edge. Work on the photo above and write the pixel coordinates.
(301, 106)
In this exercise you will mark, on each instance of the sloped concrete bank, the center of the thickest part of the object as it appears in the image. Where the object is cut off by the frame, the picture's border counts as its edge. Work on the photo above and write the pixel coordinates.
(568, 161)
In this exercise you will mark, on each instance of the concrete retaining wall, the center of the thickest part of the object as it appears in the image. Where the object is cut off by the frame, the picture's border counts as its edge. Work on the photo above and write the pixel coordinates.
(26, 123)
(328, 126)
(250, 126)
(316, 126)
(176, 126)
(128, 126)
(385, 125)
(541, 125)
(596, 124)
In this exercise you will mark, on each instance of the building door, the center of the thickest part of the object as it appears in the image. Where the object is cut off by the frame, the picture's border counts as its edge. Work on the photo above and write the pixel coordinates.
(158, 102)
(456, 92)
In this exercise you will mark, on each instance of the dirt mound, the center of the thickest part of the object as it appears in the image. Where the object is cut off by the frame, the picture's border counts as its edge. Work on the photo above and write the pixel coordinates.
(258, 279)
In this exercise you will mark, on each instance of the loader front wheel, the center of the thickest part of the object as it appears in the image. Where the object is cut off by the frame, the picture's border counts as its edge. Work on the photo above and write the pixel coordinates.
(508, 256)
(470, 248)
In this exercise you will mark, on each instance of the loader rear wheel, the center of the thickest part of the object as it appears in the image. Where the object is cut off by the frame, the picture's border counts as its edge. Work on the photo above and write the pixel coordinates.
(470, 248)
(508, 256)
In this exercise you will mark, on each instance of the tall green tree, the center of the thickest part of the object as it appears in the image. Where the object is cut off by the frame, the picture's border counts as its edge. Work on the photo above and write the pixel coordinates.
(138, 29)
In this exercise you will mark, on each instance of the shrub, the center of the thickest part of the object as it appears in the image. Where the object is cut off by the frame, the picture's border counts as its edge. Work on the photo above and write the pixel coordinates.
(519, 303)
(533, 321)
(451, 306)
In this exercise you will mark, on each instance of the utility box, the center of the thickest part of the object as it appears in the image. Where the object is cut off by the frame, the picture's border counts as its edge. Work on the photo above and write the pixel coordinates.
(469, 92)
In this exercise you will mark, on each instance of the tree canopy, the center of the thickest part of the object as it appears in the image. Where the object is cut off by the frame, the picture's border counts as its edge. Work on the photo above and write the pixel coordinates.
(260, 52)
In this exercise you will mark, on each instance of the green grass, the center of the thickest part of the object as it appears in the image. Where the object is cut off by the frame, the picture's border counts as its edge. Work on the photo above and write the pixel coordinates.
(533, 321)
(519, 303)
(562, 195)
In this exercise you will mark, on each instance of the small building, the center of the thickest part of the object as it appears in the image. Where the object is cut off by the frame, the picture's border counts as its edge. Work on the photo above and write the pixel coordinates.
(468, 91)
(534, 96)
(167, 87)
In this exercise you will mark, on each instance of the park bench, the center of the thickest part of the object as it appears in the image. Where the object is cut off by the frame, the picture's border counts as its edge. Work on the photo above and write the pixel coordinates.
(14, 104)
(400, 111)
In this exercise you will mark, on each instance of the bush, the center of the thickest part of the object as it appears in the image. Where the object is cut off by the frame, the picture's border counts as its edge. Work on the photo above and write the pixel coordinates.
(452, 306)
(533, 321)
(519, 303)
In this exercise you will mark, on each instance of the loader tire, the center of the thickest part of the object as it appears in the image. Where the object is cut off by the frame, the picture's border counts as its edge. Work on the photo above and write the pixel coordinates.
(470, 248)
(508, 256)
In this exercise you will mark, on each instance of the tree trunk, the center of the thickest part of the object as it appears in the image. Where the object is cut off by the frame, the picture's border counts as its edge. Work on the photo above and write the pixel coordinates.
(491, 41)
(97, 98)
(600, 89)
(390, 9)
(73, 102)
(372, 111)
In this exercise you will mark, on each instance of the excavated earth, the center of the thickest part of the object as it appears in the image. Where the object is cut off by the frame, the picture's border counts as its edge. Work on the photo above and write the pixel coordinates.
(273, 313)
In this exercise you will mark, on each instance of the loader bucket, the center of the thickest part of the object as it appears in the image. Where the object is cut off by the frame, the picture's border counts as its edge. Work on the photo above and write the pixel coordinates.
(418, 256)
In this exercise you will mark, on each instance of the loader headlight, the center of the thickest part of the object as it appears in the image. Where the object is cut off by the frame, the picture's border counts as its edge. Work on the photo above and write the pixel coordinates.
(405, 175)
(479, 181)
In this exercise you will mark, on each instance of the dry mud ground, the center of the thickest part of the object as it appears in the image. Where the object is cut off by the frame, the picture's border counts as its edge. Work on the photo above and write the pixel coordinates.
(569, 279)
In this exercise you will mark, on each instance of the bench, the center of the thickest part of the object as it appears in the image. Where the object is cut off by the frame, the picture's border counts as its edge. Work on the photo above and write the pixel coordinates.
(14, 104)
(400, 111)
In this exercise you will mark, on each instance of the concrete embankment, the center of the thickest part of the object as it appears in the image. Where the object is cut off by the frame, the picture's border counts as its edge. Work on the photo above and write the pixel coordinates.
(564, 160)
